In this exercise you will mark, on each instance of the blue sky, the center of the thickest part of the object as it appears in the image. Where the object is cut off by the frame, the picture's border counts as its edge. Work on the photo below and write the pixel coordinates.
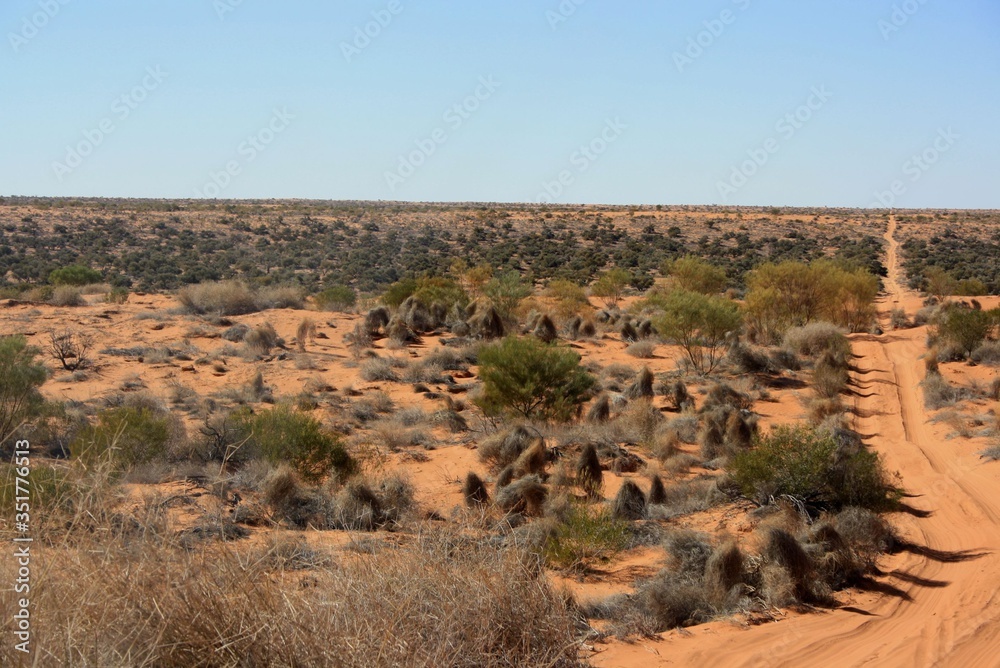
(778, 102)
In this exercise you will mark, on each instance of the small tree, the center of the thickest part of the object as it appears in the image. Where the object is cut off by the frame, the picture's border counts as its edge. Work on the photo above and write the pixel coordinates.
(701, 325)
(532, 379)
(695, 275)
(610, 286)
(506, 291)
(20, 378)
(966, 328)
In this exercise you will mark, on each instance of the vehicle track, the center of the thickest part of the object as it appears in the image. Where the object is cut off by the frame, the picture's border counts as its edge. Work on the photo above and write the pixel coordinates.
(946, 607)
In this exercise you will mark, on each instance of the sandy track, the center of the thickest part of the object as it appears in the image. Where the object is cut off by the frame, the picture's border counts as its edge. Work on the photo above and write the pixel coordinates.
(939, 603)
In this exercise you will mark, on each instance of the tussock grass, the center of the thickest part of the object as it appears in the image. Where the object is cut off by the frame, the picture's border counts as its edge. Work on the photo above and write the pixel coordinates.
(441, 601)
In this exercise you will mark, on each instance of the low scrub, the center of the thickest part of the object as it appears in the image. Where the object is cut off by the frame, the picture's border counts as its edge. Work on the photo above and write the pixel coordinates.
(282, 435)
(586, 535)
(814, 468)
(125, 436)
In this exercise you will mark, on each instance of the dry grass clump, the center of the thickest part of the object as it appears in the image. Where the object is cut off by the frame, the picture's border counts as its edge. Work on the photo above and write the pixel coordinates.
(67, 295)
(260, 340)
(630, 502)
(641, 387)
(938, 392)
(441, 601)
(644, 349)
(815, 338)
(222, 298)
(378, 370)
(505, 448)
(474, 491)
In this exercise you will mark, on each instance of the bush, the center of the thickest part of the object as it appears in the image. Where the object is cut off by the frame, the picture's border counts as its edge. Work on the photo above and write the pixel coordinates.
(336, 298)
(77, 275)
(811, 466)
(125, 436)
(20, 378)
(281, 435)
(586, 535)
(532, 379)
(71, 349)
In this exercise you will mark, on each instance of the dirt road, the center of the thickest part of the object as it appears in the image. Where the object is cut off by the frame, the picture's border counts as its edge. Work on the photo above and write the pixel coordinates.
(940, 600)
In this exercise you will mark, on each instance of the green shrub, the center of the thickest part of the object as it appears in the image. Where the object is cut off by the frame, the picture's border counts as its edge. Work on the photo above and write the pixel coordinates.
(75, 275)
(506, 292)
(398, 292)
(811, 466)
(570, 298)
(125, 436)
(532, 379)
(695, 275)
(586, 535)
(336, 298)
(281, 435)
(20, 378)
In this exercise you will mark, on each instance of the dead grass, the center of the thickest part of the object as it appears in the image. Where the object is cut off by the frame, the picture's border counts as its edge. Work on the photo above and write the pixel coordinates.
(440, 601)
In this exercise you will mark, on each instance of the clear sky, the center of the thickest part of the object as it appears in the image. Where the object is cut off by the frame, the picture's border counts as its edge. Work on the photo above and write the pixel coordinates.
(769, 102)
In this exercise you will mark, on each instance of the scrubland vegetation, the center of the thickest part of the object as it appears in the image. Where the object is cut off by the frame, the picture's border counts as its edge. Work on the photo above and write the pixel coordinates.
(608, 382)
